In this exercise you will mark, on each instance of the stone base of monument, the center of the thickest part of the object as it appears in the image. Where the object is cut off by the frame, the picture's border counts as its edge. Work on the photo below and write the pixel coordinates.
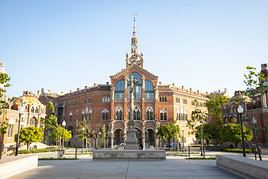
(130, 154)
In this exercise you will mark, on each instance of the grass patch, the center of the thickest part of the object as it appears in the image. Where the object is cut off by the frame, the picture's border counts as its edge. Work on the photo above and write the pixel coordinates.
(237, 150)
(51, 158)
(48, 149)
(201, 158)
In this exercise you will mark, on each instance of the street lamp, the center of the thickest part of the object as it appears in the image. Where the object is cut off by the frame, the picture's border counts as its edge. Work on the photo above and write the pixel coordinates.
(99, 139)
(83, 129)
(240, 110)
(63, 125)
(254, 122)
(21, 112)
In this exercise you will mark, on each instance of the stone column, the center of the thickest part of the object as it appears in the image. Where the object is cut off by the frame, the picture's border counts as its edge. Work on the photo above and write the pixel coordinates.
(111, 125)
(264, 100)
(157, 124)
(143, 134)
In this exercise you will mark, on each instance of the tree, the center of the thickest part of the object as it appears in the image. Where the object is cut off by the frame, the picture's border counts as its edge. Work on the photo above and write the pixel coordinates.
(215, 106)
(198, 117)
(50, 109)
(4, 79)
(83, 130)
(168, 132)
(103, 135)
(3, 129)
(232, 133)
(59, 132)
(210, 132)
(254, 81)
(29, 135)
(51, 124)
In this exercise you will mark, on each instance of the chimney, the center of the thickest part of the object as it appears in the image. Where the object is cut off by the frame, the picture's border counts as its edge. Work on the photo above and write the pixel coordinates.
(77, 89)
(190, 90)
(42, 91)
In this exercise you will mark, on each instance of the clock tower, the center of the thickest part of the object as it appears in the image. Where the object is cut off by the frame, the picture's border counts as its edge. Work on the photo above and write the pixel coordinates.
(135, 57)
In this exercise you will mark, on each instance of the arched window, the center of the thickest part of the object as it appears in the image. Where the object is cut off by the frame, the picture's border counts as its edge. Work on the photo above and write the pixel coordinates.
(137, 113)
(119, 90)
(104, 114)
(163, 114)
(32, 109)
(105, 99)
(149, 113)
(33, 122)
(119, 114)
(149, 90)
(36, 110)
(137, 78)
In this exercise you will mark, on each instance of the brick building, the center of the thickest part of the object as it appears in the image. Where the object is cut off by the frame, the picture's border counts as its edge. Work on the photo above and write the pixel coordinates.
(108, 104)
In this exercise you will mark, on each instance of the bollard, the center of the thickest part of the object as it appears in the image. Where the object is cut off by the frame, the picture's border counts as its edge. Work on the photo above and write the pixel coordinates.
(189, 151)
(75, 152)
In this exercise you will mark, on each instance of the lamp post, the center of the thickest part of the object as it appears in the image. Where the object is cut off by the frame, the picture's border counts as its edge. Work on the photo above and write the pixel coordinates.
(83, 129)
(99, 139)
(63, 125)
(21, 112)
(240, 110)
(254, 122)
(182, 139)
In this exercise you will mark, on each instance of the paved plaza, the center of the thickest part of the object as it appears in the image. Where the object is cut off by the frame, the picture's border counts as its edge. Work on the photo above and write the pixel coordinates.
(117, 169)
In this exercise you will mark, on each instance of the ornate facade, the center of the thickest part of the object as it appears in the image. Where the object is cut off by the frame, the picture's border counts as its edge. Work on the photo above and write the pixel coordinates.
(29, 115)
(108, 104)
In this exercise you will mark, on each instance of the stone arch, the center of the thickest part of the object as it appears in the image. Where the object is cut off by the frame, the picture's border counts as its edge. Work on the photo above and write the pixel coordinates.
(118, 136)
(150, 137)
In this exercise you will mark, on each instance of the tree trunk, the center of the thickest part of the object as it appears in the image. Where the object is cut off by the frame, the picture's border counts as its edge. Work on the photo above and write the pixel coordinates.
(28, 144)
(1, 144)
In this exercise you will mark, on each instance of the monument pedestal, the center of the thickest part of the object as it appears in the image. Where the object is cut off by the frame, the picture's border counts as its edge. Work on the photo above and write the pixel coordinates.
(131, 141)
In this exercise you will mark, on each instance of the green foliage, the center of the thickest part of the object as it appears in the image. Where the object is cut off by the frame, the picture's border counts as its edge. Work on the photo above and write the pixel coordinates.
(103, 135)
(237, 150)
(215, 106)
(3, 127)
(4, 79)
(232, 133)
(254, 81)
(48, 149)
(83, 130)
(29, 135)
(51, 125)
(168, 132)
(58, 132)
(210, 132)
(50, 108)
(197, 117)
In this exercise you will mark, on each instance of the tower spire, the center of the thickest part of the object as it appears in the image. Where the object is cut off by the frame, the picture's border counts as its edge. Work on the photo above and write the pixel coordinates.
(135, 57)
(134, 26)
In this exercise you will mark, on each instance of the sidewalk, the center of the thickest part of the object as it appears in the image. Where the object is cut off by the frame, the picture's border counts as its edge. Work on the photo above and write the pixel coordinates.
(134, 169)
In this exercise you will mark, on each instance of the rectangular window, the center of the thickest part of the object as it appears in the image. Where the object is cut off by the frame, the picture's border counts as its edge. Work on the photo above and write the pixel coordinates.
(163, 116)
(178, 100)
(184, 101)
(10, 130)
(104, 116)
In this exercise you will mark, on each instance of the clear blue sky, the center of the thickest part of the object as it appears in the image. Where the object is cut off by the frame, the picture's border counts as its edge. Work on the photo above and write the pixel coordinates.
(63, 45)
